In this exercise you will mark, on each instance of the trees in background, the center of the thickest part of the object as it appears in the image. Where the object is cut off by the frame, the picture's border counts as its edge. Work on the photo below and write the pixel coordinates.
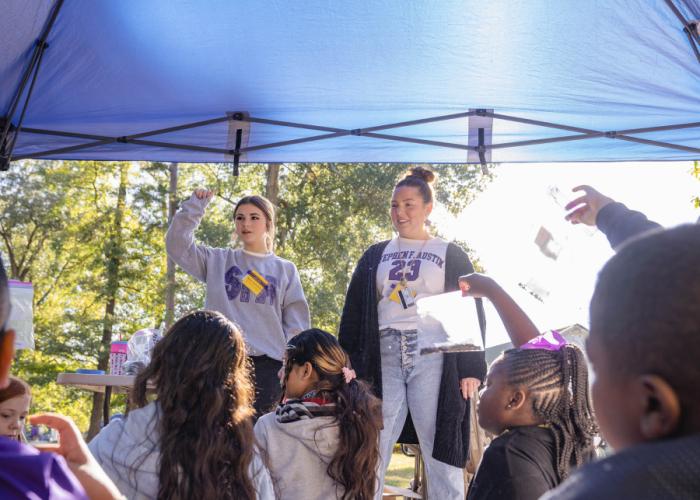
(90, 236)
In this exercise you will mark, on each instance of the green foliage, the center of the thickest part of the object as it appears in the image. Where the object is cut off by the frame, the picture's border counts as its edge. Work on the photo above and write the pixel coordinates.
(57, 222)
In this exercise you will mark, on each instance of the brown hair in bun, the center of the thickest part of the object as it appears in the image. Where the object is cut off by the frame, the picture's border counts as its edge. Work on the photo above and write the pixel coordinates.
(420, 178)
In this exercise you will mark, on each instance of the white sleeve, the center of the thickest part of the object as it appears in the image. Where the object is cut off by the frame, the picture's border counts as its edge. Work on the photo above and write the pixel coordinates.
(179, 240)
(262, 481)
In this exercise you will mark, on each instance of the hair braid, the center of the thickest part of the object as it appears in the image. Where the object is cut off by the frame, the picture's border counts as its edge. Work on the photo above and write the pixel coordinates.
(558, 384)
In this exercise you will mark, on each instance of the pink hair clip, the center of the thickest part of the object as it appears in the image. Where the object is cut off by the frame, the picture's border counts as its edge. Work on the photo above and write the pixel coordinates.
(550, 341)
(349, 374)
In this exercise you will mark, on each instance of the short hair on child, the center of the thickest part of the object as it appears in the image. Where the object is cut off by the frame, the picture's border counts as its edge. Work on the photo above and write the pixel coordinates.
(16, 387)
(557, 382)
(646, 308)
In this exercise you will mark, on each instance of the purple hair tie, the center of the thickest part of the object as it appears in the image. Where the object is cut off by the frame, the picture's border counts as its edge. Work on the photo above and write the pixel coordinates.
(551, 341)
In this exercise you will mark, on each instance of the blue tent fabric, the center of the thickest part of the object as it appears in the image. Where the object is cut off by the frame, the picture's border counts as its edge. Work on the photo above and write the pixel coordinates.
(115, 69)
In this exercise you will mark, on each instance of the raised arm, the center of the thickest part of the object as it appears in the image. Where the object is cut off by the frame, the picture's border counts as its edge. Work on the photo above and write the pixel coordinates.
(179, 240)
(617, 222)
(519, 326)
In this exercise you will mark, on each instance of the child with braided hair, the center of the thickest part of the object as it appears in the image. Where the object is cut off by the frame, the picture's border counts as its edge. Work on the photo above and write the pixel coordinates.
(323, 440)
(536, 402)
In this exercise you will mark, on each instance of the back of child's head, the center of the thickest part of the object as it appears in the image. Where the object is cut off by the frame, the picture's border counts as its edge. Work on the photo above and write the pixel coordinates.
(557, 385)
(204, 392)
(645, 316)
(354, 465)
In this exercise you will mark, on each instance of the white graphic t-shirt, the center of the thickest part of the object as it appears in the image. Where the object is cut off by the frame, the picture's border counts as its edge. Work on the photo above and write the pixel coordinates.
(422, 264)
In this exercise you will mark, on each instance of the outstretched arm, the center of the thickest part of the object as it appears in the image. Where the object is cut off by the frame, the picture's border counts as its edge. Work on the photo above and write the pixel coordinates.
(519, 326)
(615, 220)
(179, 240)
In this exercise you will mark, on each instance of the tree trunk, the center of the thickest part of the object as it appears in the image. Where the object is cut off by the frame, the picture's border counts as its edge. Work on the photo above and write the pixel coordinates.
(114, 253)
(170, 265)
(272, 185)
(272, 189)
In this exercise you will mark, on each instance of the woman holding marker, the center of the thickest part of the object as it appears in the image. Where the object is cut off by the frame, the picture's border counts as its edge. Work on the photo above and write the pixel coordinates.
(379, 330)
(253, 287)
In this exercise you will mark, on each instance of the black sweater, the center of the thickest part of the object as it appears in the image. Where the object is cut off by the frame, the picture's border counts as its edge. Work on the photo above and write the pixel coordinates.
(359, 336)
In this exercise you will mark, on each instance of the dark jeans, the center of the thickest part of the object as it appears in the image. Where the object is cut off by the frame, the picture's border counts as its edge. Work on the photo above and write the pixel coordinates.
(267, 384)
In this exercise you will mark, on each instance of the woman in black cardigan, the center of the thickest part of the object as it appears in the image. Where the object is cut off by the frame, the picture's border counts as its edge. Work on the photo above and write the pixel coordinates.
(378, 329)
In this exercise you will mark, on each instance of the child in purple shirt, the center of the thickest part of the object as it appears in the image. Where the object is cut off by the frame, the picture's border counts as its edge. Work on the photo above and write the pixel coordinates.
(25, 472)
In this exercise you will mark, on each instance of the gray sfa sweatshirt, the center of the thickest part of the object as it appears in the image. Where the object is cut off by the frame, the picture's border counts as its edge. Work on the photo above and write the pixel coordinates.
(270, 318)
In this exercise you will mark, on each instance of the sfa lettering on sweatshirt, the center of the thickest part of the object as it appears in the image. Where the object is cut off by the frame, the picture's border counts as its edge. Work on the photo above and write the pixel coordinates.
(235, 289)
(413, 255)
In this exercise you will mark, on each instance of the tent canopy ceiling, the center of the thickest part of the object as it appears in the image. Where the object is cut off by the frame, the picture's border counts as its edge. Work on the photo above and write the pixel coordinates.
(282, 81)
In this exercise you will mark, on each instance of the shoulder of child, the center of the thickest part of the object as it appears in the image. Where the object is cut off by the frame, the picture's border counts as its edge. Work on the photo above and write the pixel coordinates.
(264, 422)
(524, 445)
(664, 469)
(45, 474)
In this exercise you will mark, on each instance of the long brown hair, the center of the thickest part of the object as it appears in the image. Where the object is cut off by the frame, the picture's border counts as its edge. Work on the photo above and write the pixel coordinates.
(268, 210)
(204, 392)
(357, 411)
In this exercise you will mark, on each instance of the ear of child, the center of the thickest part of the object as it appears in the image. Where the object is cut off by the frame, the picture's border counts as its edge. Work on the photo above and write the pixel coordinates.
(660, 408)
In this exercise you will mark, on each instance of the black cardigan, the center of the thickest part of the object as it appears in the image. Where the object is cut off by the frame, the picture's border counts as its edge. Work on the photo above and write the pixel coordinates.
(359, 336)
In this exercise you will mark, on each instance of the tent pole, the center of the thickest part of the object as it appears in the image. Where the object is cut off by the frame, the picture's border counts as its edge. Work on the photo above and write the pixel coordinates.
(418, 141)
(534, 142)
(690, 29)
(482, 153)
(364, 131)
(68, 149)
(660, 144)
(581, 134)
(420, 122)
(32, 70)
(237, 151)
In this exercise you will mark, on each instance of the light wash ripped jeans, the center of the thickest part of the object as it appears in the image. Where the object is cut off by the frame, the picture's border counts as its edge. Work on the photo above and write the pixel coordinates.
(412, 382)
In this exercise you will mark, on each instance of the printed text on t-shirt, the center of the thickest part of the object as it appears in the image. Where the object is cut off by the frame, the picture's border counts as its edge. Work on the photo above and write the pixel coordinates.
(236, 290)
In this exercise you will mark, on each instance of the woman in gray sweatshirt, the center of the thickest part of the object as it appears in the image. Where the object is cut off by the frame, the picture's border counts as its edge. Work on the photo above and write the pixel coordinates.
(251, 286)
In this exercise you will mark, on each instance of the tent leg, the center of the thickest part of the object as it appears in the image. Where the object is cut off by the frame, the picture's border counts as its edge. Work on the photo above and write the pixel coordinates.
(6, 146)
(237, 152)
(482, 153)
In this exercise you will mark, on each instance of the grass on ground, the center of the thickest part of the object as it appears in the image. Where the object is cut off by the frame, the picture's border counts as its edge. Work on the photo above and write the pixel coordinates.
(400, 471)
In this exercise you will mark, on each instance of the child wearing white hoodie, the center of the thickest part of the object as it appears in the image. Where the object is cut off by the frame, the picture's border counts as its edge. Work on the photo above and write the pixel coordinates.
(196, 439)
(322, 441)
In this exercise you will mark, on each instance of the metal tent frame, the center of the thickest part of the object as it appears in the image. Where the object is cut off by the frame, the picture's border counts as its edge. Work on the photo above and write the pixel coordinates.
(10, 130)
